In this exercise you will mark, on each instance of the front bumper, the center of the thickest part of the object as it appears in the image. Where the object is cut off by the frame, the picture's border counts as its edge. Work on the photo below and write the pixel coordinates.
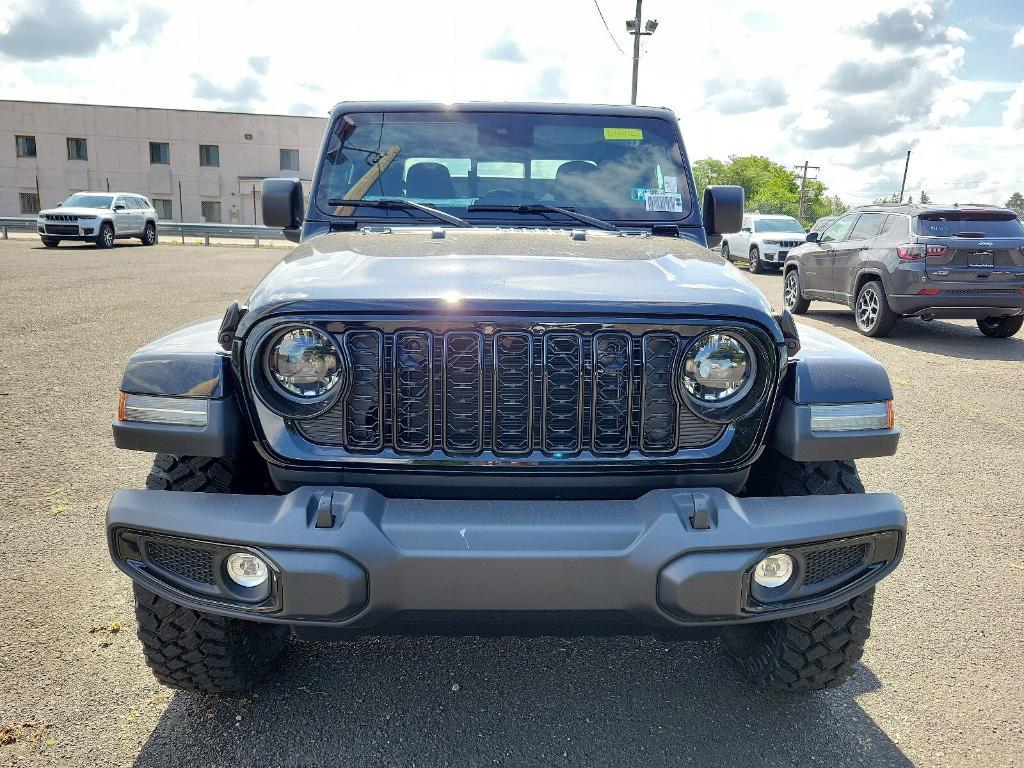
(350, 558)
(65, 230)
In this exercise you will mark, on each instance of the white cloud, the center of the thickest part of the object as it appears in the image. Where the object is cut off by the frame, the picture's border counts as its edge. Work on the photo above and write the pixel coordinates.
(1014, 115)
(1018, 39)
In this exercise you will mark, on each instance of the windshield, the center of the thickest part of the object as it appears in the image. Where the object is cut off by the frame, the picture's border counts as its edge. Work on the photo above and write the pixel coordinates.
(969, 224)
(778, 225)
(606, 167)
(88, 201)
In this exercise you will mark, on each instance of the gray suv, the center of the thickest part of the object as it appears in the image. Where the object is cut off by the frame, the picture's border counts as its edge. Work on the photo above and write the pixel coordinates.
(927, 261)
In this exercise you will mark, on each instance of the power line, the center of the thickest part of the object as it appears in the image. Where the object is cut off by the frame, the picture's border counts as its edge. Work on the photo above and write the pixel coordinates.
(616, 42)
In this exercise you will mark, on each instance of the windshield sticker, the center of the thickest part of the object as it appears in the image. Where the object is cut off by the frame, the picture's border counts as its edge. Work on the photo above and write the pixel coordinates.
(638, 193)
(670, 185)
(661, 202)
(623, 134)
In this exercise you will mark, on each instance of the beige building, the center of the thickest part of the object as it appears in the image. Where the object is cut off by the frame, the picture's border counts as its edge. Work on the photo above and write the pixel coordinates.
(193, 165)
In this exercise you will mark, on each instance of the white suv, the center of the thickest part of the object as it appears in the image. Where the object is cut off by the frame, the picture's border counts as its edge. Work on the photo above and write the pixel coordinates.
(764, 241)
(99, 217)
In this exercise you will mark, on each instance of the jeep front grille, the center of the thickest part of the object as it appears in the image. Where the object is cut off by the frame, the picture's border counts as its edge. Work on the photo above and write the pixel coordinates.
(511, 392)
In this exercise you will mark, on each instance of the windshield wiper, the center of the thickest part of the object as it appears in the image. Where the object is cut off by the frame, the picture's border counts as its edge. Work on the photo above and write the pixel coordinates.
(545, 208)
(399, 203)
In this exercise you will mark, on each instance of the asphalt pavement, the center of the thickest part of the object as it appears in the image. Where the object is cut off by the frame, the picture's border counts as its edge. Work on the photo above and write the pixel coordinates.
(939, 683)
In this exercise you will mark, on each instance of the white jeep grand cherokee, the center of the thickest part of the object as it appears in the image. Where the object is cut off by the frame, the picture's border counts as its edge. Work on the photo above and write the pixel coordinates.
(99, 217)
(764, 241)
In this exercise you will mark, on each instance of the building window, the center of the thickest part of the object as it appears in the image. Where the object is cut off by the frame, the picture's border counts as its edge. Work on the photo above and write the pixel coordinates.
(209, 155)
(159, 153)
(289, 159)
(29, 202)
(26, 146)
(77, 149)
(163, 208)
(211, 211)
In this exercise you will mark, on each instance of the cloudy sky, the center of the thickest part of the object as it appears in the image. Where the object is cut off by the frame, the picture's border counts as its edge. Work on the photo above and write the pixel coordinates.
(848, 86)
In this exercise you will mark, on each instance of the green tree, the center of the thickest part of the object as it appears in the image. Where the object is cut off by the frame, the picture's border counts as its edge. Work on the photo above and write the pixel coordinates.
(1016, 203)
(707, 172)
(924, 199)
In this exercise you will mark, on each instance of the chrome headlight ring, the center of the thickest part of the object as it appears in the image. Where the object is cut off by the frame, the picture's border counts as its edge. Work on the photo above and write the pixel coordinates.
(299, 371)
(723, 359)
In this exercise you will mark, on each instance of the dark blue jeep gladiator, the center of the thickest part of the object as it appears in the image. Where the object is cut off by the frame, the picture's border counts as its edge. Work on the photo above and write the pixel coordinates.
(502, 385)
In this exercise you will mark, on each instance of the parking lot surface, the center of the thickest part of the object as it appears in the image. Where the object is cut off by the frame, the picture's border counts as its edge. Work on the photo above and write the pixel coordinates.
(939, 684)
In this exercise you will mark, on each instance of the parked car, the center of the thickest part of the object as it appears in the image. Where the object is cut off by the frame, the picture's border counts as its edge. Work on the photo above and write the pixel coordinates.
(822, 224)
(764, 241)
(99, 217)
(927, 261)
(457, 408)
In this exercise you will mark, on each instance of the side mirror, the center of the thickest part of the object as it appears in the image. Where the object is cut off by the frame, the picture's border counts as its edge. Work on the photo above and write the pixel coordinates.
(282, 204)
(812, 237)
(722, 210)
(119, 207)
(746, 229)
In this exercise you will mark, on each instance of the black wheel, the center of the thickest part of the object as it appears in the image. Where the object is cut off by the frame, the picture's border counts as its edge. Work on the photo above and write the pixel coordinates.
(1000, 327)
(815, 650)
(192, 649)
(725, 252)
(149, 234)
(871, 310)
(203, 652)
(51, 242)
(105, 237)
(792, 295)
(756, 266)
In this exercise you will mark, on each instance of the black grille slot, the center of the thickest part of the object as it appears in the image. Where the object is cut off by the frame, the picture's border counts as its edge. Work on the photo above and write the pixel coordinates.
(511, 392)
(563, 392)
(826, 564)
(463, 392)
(363, 427)
(61, 229)
(194, 564)
(613, 390)
(413, 391)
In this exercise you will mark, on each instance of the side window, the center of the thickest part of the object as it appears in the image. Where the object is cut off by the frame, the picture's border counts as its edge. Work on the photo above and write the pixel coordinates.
(119, 200)
(748, 223)
(868, 226)
(839, 229)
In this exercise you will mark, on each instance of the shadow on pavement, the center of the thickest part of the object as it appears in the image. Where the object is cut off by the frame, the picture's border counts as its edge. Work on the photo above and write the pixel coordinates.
(935, 337)
(540, 701)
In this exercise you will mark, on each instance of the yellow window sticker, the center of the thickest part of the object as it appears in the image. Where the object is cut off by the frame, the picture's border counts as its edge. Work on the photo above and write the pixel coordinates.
(619, 134)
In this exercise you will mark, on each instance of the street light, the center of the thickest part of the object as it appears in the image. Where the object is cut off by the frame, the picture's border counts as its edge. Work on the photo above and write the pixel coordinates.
(633, 28)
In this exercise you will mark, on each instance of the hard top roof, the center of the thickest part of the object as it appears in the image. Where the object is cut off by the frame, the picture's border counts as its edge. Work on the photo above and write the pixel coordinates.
(535, 107)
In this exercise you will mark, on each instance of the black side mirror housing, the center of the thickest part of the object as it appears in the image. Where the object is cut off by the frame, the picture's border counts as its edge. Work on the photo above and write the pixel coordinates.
(118, 207)
(812, 237)
(282, 205)
(722, 210)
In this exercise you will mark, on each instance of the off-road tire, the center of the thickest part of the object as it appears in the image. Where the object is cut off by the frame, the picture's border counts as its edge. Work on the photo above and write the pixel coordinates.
(149, 236)
(792, 295)
(105, 237)
(192, 649)
(725, 252)
(51, 242)
(804, 653)
(203, 652)
(815, 650)
(1000, 327)
(875, 318)
(756, 265)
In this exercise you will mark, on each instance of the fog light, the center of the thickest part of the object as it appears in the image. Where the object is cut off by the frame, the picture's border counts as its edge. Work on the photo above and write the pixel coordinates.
(246, 569)
(774, 570)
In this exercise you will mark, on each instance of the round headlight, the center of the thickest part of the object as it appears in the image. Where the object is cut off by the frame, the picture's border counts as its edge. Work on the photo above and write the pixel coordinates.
(305, 363)
(718, 369)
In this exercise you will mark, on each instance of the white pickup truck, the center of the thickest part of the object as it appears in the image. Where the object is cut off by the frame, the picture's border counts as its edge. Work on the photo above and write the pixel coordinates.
(764, 241)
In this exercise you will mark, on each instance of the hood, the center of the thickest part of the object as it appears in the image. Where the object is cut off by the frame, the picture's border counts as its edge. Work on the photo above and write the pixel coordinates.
(541, 272)
(76, 211)
(788, 236)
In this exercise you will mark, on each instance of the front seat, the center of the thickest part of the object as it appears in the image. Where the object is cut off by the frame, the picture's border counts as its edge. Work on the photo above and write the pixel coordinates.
(429, 180)
(571, 182)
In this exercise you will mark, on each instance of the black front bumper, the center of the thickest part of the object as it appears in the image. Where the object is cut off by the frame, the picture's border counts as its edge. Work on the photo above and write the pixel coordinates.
(668, 559)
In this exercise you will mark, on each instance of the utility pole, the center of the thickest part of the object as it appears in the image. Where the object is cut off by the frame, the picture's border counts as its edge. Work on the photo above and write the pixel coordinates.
(803, 184)
(906, 168)
(633, 27)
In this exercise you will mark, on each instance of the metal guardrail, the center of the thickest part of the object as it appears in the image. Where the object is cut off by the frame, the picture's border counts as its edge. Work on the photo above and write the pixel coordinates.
(181, 229)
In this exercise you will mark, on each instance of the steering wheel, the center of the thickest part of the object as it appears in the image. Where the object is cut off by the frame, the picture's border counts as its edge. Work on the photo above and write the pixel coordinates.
(499, 194)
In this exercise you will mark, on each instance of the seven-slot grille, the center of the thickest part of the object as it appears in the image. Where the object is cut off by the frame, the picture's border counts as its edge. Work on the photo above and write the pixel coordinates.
(511, 393)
